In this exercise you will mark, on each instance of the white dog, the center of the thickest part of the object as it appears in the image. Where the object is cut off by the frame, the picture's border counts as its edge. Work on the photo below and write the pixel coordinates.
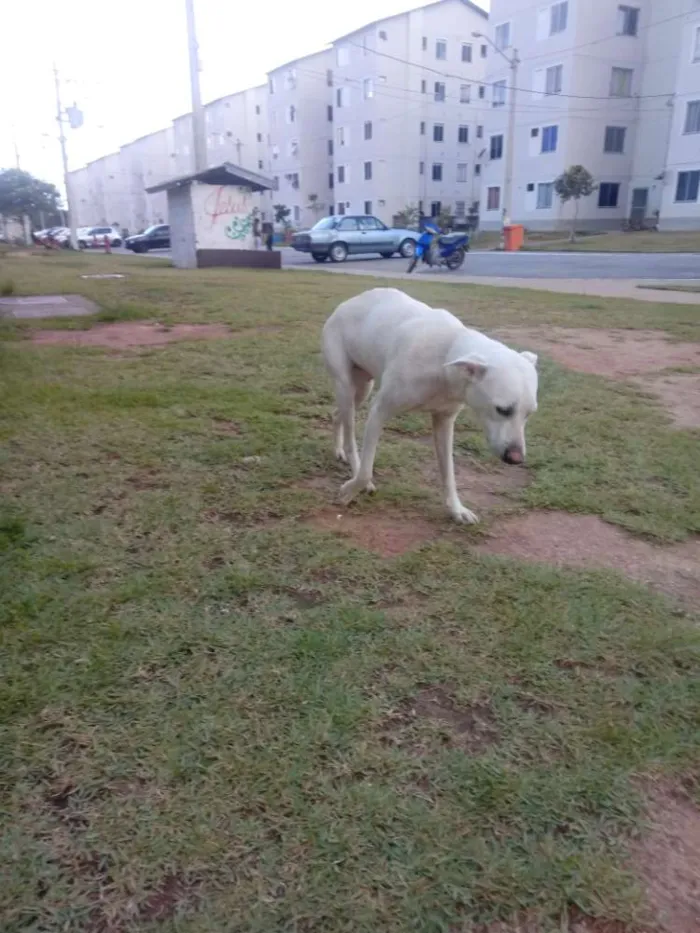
(425, 358)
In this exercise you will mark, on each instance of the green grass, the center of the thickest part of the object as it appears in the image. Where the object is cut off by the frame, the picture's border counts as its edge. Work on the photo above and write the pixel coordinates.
(646, 241)
(203, 697)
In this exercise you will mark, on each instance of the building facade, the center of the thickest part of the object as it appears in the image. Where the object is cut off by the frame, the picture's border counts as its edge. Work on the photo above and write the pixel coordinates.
(408, 114)
(300, 116)
(609, 86)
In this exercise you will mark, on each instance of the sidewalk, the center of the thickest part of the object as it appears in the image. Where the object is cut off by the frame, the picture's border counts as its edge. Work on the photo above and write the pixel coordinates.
(601, 288)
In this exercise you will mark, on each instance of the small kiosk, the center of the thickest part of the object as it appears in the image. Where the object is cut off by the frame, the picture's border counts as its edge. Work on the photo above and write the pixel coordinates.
(211, 216)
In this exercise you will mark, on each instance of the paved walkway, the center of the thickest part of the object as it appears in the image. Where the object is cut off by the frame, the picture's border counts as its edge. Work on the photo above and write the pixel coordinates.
(602, 288)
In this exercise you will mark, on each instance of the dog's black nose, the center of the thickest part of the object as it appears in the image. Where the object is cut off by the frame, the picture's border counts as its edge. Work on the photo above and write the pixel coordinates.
(513, 455)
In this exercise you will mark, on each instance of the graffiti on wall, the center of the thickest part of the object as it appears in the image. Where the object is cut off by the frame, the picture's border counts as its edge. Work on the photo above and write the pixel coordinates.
(225, 217)
(239, 227)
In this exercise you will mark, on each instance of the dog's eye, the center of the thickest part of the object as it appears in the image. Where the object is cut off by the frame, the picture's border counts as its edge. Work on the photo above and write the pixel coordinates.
(506, 412)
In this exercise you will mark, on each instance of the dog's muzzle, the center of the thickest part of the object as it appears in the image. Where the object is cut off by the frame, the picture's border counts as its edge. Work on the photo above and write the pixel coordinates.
(513, 455)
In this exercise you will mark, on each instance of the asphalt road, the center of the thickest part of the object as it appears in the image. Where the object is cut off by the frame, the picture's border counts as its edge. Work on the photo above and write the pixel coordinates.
(524, 265)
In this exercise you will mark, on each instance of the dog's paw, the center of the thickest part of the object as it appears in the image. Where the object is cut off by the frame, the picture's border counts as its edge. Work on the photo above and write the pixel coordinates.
(465, 516)
(340, 455)
(370, 487)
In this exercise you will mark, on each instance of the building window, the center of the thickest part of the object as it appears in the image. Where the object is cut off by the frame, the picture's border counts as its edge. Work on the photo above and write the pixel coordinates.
(545, 196)
(484, 50)
(466, 52)
(550, 135)
(502, 36)
(615, 139)
(368, 129)
(342, 56)
(331, 180)
(271, 85)
(424, 86)
(461, 171)
(422, 127)
(493, 199)
(421, 168)
(688, 186)
(368, 172)
(290, 79)
(496, 151)
(499, 93)
(460, 208)
(479, 132)
(435, 208)
(608, 194)
(558, 17)
(621, 82)
(259, 137)
(627, 20)
(368, 207)
(692, 117)
(294, 147)
(343, 135)
(293, 179)
(297, 214)
(441, 49)
(437, 171)
(341, 174)
(438, 132)
(439, 91)
(330, 147)
(463, 134)
(329, 77)
(553, 79)
(465, 93)
(368, 88)
(260, 163)
(257, 109)
(341, 207)
(343, 97)
(696, 45)
(482, 92)
(329, 113)
(477, 169)
(424, 43)
(291, 113)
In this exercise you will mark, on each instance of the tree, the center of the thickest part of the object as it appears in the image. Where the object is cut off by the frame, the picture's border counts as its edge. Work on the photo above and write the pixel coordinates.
(572, 185)
(408, 217)
(282, 213)
(22, 195)
(444, 218)
(314, 205)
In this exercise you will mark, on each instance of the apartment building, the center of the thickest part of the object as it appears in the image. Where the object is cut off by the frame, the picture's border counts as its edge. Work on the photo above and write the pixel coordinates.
(407, 110)
(300, 117)
(609, 86)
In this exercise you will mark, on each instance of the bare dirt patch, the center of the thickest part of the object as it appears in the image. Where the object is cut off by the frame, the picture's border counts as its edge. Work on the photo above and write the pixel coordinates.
(485, 490)
(566, 540)
(617, 354)
(680, 394)
(666, 858)
(121, 335)
(471, 728)
(387, 535)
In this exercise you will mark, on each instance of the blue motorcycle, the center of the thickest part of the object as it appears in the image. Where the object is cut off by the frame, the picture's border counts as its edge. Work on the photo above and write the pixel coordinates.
(440, 249)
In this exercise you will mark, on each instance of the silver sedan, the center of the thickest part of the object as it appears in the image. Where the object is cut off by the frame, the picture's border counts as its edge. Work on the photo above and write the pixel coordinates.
(341, 235)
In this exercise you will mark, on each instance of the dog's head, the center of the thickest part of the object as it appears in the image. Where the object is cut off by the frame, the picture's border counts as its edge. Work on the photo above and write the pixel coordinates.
(503, 393)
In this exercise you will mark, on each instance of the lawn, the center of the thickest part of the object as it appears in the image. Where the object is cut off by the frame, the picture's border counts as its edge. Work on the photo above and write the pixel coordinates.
(218, 715)
(647, 241)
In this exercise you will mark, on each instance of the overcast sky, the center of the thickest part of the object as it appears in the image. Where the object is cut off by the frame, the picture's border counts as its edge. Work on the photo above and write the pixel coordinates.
(124, 62)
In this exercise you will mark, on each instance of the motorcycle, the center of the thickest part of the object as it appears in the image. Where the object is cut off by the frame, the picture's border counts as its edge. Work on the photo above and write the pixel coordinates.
(440, 249)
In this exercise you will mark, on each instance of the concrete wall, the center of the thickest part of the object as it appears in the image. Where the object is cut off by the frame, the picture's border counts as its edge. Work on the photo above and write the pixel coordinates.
(182, 231)
(386, 74)
(223, 216)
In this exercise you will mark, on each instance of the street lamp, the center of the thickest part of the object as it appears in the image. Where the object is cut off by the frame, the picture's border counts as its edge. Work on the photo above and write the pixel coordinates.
(513, 62)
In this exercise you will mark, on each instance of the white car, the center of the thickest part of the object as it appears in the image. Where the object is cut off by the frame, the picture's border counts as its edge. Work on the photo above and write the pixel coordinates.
(94, 237)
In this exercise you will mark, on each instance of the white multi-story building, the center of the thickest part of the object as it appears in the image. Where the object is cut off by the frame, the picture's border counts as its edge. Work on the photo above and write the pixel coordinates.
(300, 116)
(606, 85)
(407, 112)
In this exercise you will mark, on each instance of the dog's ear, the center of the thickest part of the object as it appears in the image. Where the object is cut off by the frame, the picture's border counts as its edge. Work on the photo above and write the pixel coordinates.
(530, 357)
(474, 367)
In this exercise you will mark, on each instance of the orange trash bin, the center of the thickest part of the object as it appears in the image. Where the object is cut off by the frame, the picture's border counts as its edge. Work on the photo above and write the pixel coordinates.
(514, 236)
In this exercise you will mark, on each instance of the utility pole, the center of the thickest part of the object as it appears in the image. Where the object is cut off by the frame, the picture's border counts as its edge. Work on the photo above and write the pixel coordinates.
(198, 127)
(64, 156)
(513, 62)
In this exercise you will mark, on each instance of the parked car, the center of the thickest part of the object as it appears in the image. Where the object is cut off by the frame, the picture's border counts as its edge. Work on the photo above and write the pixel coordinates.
(94, 237)
(341, 235)
(155, 237)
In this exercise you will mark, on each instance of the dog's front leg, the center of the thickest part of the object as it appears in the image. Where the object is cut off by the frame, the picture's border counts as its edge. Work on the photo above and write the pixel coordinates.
(443, 436)
(362, 479)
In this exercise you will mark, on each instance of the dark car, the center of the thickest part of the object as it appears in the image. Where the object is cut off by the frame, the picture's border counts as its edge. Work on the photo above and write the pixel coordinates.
(156, 237)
